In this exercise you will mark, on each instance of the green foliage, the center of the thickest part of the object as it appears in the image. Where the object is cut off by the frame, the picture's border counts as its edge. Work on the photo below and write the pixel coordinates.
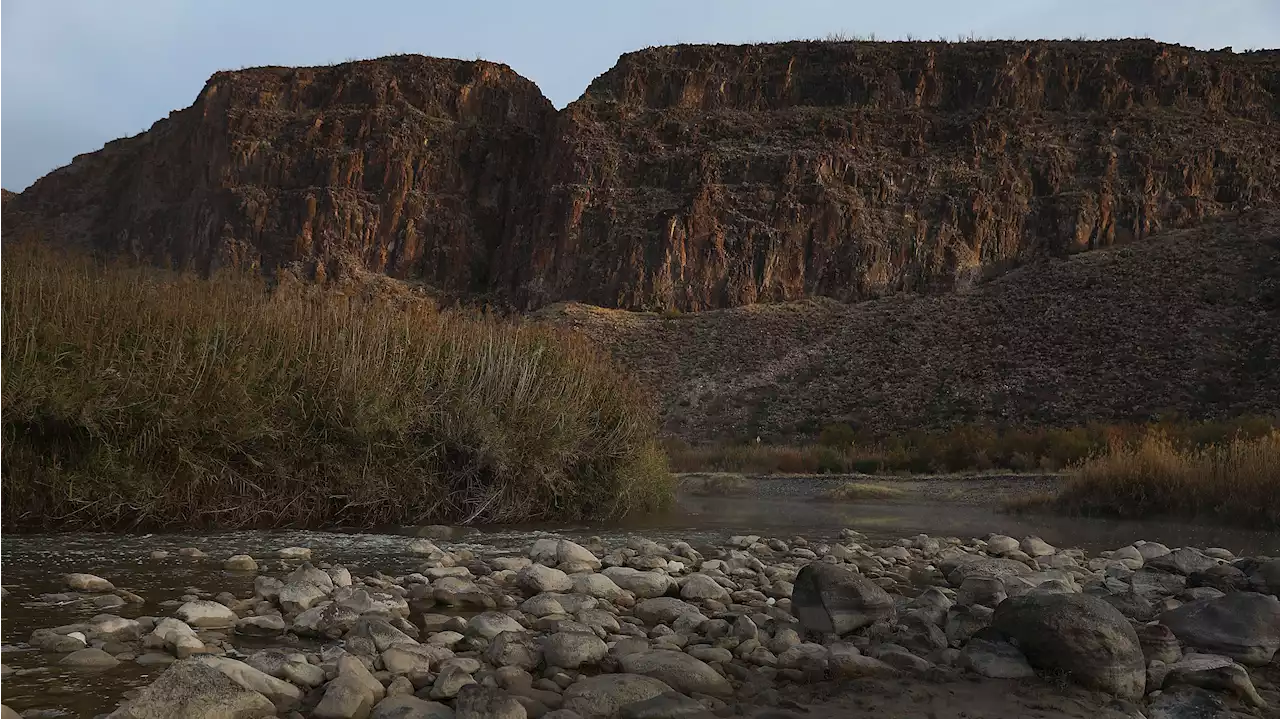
(138, 398)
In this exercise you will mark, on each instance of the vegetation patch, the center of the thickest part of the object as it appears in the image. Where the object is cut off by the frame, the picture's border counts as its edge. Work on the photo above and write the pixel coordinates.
(1234, 482)
(966, 448)
(860, 491)
(137, 398)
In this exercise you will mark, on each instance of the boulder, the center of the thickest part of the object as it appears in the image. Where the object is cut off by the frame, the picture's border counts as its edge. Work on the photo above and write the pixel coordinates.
(240, 563)
(603, 696)
(380, 632)
(644, 585)
(997, 660)
(1184, 560)
(294, 553)
(300, 596)
(476, 701)
(352, 694)
(538, 578)
(1158, 643)
(491, 624)
(987, 591)
(89, 658)
(193, 690)
(677, 670)
(87, 583)
(461, 592)
(972, 566)
(450, 681)
(266, 625)
(1188, 702)
(1078, 634)
(1209, 671)
(283, 695)
(830, 598)
(206, 615)
(410, 707)
(1037, 547)
(413, 660)
(700, 587)
(669, 705)
(325, 620)
(598, 586)
(663, 610)
(570, 650)
(513, 649)
(289, 665)
(1243, 625)
(1265, 578)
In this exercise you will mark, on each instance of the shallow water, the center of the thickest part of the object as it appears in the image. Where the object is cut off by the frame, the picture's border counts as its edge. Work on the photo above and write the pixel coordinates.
(33, 565)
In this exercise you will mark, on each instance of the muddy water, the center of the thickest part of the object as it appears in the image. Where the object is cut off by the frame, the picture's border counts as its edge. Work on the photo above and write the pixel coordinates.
(32, 565)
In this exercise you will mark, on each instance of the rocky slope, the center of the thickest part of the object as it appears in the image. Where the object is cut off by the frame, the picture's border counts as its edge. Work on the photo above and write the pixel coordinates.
(1186, 320)
(689, 177)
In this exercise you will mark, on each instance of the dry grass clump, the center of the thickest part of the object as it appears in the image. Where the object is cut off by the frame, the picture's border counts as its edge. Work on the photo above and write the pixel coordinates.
(718, 485)
(133, 397)
(860, 491)
(1237, 482)
(966, 448)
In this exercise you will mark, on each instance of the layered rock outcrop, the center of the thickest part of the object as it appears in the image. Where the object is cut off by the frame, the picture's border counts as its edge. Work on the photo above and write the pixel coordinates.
(687, 177)
(408, 166)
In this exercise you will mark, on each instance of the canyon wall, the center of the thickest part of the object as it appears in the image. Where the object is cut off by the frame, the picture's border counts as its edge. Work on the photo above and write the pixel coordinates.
(687, 177)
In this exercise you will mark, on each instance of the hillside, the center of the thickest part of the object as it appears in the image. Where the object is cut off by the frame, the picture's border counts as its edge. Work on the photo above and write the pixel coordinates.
(691, 177)
(1185, 321)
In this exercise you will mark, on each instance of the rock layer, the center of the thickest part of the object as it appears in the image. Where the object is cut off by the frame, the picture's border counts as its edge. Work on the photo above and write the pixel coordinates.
(688, 177)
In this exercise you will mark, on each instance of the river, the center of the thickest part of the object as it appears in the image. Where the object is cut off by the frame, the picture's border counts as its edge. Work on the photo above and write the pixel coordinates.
(34, 564)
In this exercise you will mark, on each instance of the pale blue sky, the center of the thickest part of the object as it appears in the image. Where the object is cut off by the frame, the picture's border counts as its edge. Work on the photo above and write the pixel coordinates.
(76, 74)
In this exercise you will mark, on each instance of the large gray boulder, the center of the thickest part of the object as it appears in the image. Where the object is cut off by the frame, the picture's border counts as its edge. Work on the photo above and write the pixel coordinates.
(644, 585)
(352, 695)
(678, 670)
(1243, 625)
(829, 598)
(1184, 560)
(1078, 634)
(282, 694)
(194, 690)
(570, 650)
(603, 696)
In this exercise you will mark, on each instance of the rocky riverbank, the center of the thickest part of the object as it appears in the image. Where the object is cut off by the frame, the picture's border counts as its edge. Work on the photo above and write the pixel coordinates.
(764, 627)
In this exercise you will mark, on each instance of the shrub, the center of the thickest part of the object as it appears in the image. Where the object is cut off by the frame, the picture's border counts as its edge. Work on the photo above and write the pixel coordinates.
(133, 397)
(1237, 481)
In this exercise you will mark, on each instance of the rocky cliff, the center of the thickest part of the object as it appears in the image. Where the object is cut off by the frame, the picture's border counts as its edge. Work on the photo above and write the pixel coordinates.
(689, 177)
(408, 166)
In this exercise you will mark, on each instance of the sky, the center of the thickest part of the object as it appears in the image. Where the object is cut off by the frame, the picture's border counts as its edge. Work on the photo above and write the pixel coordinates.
(76, 74)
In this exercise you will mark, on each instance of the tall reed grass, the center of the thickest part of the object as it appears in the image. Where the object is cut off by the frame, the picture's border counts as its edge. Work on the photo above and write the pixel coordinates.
(1236, 482)
(136, 398)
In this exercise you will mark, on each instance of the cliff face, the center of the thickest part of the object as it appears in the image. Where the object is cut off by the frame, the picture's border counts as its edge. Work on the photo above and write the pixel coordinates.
(407, 166)
(690, 177)
(715, 176)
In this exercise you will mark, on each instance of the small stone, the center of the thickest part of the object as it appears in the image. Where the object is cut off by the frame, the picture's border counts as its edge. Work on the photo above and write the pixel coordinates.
(294, 553)
(90, 658)
(87, 583)
(192, 552)
(206, 614)
(240, 563)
